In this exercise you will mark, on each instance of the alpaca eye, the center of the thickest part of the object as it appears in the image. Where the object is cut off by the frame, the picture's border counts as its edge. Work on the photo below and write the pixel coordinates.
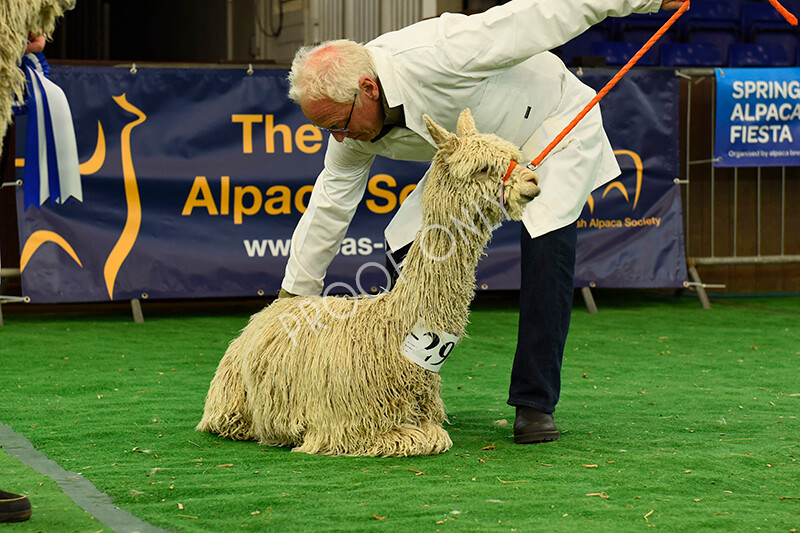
(485, 169)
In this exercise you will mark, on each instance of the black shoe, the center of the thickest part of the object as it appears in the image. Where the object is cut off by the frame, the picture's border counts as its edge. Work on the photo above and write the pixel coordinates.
(532, 426)
(13, 507)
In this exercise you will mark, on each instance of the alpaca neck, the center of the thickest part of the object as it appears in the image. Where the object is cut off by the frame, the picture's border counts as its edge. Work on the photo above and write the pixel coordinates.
(438, 278)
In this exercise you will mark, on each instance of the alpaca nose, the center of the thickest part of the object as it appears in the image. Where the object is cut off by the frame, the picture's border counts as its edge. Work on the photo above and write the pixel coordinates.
(529, 183)
(530, 177)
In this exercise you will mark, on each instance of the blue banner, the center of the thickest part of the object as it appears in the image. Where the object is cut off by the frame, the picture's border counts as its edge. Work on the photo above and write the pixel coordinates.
(194, 180)
(630, 233)
(758, 117)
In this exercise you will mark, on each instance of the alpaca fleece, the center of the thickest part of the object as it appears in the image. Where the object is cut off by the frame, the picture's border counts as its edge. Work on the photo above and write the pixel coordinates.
(326, 375)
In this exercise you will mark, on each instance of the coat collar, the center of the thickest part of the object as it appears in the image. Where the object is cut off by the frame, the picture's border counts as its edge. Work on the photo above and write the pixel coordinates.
(390, 73)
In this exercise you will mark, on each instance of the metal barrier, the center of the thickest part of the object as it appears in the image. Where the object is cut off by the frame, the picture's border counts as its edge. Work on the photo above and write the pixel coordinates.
(5, 273)
(720, 241)
(10, 272)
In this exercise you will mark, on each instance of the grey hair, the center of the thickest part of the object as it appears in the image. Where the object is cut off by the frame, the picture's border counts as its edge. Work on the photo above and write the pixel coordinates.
(329, 70)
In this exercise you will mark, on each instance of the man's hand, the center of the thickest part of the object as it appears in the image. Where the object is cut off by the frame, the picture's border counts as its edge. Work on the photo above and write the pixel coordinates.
(35, 43)
(671, 4)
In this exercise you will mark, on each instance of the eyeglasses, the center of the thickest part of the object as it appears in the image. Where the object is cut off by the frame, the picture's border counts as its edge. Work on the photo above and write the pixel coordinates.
(345, 129)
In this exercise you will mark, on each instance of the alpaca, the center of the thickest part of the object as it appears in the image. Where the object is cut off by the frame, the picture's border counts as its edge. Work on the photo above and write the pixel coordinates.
(19, 18)
(327, 375)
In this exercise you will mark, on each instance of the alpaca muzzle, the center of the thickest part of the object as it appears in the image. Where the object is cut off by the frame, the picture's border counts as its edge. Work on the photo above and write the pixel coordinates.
(528, 182)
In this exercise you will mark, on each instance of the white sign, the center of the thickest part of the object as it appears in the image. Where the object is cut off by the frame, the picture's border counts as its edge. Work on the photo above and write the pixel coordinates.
(429, 349)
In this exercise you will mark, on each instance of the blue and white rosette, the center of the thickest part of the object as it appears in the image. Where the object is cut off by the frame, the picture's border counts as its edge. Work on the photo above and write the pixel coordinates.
(51, 153)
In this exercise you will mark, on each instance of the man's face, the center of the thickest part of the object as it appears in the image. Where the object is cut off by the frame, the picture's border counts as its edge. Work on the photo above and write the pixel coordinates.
(364, 122)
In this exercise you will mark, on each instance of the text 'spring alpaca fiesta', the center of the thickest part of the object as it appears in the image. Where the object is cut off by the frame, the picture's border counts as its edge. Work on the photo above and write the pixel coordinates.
(344, 376)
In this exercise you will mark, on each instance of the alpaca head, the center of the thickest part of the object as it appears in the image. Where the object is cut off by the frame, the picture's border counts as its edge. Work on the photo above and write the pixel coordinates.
(474, 170)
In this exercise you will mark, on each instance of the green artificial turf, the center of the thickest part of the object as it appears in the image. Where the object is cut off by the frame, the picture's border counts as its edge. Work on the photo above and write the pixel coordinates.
(672, 416)
(52, 509)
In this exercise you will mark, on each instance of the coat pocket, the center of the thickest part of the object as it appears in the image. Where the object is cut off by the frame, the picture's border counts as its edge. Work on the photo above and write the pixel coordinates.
(515, 104)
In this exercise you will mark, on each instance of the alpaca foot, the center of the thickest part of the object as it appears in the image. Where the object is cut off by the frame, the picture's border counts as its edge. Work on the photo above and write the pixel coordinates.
(228, 425)
(404, 441)
(409, 440)
(225, 408)
(438, 436)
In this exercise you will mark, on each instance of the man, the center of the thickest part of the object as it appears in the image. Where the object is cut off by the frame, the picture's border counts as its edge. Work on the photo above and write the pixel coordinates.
(371, 99)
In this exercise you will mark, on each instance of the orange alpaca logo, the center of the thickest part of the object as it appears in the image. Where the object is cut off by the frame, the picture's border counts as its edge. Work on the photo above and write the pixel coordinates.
(637, 161)
(133, 220)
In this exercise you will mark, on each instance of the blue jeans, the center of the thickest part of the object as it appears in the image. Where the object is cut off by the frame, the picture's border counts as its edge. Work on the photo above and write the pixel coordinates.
(545, 306)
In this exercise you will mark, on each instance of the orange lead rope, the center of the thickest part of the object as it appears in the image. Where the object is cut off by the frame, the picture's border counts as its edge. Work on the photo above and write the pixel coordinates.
(510, 170)
(535, 163)
(501, 194)
(610, 85)
(791, 19)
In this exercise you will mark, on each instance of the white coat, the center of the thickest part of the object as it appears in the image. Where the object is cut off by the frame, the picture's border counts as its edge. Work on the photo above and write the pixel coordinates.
(495, 63)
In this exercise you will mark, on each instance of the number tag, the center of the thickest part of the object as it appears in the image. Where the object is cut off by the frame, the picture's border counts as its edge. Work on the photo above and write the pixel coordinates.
(429, 349)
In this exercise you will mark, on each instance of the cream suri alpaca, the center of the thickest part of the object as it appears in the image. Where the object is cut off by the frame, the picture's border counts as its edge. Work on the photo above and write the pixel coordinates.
(326, 374)
(17, 19)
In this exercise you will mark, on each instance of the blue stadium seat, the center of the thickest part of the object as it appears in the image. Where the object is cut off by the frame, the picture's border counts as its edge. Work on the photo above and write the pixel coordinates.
(763, 24)
(758, 16)
(619, 53)
(787, 38)
(581, 45)
(736, 5)
(690, 55)
(611, 26)
(642, 35)
(721, 39)
(757, 55)
(640, 27)
(639, 20)
(714, 22)
(710, 14)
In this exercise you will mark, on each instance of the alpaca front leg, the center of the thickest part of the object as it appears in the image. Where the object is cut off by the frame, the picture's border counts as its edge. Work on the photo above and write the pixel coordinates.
(403, 441)
(225, 411)
(437, 436)
(410, 439)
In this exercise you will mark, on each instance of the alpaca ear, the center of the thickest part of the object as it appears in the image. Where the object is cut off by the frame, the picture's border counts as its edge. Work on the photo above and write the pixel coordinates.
(466, 124)
(440, 135)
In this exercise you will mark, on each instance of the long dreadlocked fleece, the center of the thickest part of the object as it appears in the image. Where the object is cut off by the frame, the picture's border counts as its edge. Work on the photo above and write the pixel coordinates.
(327, 374)
(19, 17)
